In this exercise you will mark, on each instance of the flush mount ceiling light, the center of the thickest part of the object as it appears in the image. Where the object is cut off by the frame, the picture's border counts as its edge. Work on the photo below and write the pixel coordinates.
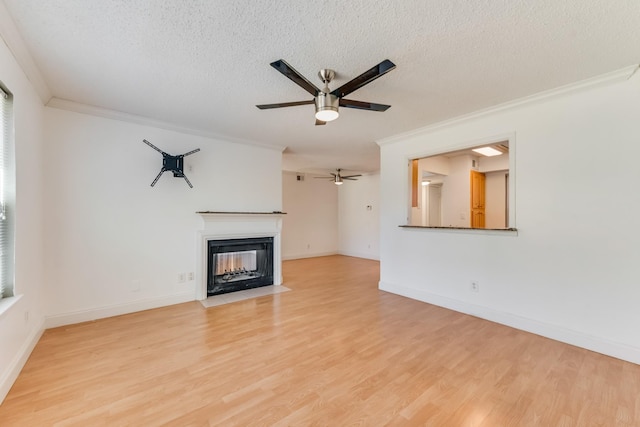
(487, 151)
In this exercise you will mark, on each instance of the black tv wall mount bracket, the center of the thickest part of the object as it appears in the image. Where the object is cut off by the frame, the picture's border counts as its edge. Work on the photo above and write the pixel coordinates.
(171, 163)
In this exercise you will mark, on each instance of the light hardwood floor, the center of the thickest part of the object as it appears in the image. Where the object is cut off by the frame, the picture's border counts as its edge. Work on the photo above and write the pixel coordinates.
(334, 351)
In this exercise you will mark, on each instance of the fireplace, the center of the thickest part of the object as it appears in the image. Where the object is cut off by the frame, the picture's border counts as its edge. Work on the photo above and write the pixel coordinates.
(238, 264)
(233, 226)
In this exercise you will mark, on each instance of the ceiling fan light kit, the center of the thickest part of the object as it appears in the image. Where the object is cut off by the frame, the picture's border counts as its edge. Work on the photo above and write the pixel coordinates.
(326, 101)
(326, 107)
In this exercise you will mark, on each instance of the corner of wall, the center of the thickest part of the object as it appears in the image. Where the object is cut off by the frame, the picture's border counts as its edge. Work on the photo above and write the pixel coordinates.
(20, 359)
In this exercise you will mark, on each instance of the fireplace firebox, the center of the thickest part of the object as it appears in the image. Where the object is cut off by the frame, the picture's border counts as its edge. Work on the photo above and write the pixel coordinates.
(238, 264)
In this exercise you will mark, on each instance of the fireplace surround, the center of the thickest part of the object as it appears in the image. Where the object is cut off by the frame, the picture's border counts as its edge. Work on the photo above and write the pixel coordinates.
(218, 227)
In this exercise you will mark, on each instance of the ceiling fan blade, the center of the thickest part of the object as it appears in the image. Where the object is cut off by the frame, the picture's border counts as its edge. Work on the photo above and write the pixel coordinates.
(350, 179)
(360, 105)
(323, 177)
(367, 77)
(320, 122)
(290, 72)
(350, 176)
(284, 104)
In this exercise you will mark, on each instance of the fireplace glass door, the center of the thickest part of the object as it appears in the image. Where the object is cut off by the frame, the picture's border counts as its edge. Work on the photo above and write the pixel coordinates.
(238, 264)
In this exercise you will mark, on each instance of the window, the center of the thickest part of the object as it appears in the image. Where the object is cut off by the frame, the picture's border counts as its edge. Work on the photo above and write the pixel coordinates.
(465, 188)
(6, 193)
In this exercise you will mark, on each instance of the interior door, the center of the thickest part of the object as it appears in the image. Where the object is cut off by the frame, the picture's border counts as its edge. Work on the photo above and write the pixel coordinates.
(477, 199)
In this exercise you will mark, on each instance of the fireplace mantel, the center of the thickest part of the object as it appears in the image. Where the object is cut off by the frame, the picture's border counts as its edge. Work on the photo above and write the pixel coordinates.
(218, 225)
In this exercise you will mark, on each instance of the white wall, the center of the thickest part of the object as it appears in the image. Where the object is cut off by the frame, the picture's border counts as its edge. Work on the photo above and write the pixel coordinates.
(495, 199)
(456, 187)
(437, 164)
(310, 227)
(359, 227)
(325, 219)
(493, 163)
(21, 323)
(114, 244)
(570, 273)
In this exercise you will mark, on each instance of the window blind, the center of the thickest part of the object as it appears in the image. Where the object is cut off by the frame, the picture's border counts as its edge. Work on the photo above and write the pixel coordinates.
(5, 244)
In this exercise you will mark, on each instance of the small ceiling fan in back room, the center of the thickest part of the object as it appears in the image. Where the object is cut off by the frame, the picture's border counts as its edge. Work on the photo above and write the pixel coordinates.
(338, 178)
(325, 100)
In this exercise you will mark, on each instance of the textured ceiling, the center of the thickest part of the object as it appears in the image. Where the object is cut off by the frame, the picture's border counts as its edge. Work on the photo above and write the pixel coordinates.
(204, 65)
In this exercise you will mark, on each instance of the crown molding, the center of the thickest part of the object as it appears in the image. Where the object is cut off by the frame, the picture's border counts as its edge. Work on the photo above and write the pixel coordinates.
(64, 104)
(12, 38)
(582, 85)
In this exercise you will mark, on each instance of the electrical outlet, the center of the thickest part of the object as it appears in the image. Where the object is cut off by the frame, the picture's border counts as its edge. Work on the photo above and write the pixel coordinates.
(135, 285)
(26, 317)
(475, 286)
(190, 276)
(181, 277)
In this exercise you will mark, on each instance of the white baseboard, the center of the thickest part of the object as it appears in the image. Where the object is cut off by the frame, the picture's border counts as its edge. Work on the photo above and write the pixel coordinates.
(365, 255)
(307, 255)
(116, 310)
(18, 362)
(555, 332)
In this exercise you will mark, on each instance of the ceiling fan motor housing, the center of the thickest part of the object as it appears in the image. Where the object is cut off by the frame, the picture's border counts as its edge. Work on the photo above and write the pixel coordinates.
(327, 106)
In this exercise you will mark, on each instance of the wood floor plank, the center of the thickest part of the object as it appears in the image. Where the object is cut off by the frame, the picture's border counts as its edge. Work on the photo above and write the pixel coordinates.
(334, 351)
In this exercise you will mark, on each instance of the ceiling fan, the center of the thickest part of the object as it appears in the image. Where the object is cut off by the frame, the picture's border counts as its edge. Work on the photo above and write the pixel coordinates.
(337, 178)
(326, 101)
